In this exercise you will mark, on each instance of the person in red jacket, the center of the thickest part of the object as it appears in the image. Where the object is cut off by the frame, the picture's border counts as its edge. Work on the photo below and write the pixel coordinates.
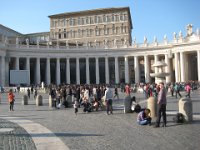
(11, 99)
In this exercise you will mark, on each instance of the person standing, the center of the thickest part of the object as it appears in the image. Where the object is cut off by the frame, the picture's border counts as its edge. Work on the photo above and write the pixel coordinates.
(161, 105)
(188, 89)
(116, 93)
(108, 98)
(28, 93)
(11, 99)
(76, 105)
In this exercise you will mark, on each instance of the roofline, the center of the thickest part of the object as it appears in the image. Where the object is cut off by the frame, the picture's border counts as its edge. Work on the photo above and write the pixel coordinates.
(10, 29)
(91, 11)
(86, 11)
(29, 34)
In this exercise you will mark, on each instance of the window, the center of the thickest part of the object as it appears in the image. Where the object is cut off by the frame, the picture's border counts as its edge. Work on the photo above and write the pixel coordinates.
(65, 34)
(99, 19)
(105, 30)
(121, 17)
(97, 31)
(64, 22)
(79, 32)
(79, 21)
(87, 20)
(113, 29)
(122, 28)
(104, 18)
(96, 19)
(71, 22)
(116, 18)
(113, 17)
(87, 32)
(91, 20)
(83, 21)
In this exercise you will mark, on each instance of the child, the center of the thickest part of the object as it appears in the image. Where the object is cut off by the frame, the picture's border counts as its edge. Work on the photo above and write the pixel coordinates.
(76, 105)
(144, 118)
(11, 99)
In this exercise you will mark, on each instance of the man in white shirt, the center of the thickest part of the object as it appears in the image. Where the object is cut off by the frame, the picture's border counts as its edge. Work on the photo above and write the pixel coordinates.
(108, 98)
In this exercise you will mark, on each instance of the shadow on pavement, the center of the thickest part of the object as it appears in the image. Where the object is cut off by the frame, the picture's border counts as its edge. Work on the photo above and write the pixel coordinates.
(57, 134)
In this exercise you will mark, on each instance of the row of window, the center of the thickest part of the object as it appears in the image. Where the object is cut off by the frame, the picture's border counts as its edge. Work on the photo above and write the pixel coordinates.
(88, 20)
(89, 32)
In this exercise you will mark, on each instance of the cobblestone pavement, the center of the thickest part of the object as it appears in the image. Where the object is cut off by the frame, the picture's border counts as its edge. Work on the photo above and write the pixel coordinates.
(15, 139)
(98, 131)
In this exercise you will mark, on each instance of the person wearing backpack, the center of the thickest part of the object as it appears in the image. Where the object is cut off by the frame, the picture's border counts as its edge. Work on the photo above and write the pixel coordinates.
(177, 89)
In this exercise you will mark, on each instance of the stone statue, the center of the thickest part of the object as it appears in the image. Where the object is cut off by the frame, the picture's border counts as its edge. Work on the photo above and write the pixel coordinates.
(174, 35)
(189, 29)
(76, 43)
(17, 41)
(145, 40)
(67, 43)
(95, 42)
(106, 42)
(165, 37)
(115, 42)
(198, 32)
(180, 35)
(6, 40)
(134, 40)
(38, 41)
(155, 39)
(125, 41)
(27, 41)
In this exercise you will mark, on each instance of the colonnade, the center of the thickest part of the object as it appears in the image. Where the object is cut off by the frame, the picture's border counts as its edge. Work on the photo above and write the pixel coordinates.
(180, 68)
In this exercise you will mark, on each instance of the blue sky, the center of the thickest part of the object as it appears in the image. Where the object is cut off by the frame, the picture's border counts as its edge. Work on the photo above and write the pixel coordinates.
(150, 17)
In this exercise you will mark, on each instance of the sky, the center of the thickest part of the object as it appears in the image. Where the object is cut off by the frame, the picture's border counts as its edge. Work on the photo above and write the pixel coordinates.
(149, 17)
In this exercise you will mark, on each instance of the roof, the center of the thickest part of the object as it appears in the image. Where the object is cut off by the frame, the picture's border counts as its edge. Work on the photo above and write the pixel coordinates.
(37, 33)
(9, 29)
(92, 11)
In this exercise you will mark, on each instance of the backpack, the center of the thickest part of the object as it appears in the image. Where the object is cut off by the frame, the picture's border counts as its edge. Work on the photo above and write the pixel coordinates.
(137, 108)
(179, 118)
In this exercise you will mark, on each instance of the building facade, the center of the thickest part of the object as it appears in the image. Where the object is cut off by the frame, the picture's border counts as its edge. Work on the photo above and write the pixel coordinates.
(107, 27)
(95, 64)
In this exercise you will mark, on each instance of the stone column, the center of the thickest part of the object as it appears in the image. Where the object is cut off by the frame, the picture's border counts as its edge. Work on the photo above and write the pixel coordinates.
(17, 63)
(146, 69)
(48, 72)
(177, 71)
(77, 71)
(7, 59)
(87, 71)
(107, 70)
(3, 70)
(156, 58)
(167, 68)
(38, 80)
(198, 64)
(126, 69)
(137, 69)
(58, 71)
(182, 64)
(116, 70)
(97, 70)
(68, 71)
(28, 67)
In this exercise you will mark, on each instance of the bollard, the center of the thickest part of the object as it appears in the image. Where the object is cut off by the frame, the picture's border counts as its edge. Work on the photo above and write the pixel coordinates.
(152, 105)
(50, 102)
(25, 100)
(69, 100)
(185, 107)
(127, 104)
(39, 100)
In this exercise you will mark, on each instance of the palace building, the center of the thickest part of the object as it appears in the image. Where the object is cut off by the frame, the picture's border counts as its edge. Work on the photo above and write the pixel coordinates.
(93, 47)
